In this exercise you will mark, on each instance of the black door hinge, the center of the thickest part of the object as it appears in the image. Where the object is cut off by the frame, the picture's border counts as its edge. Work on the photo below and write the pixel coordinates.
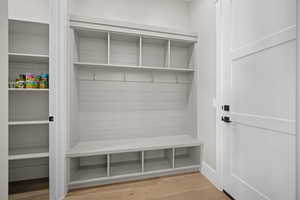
(226, 108)
(226, 119)
(51, 118)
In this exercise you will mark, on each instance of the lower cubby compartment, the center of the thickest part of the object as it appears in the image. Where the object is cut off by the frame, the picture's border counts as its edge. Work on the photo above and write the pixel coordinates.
(155, 160)
(90, 167)
(125, 163)
(187, 156)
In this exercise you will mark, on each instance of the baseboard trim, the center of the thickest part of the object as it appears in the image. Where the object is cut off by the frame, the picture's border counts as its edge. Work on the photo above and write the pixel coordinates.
(211, 174)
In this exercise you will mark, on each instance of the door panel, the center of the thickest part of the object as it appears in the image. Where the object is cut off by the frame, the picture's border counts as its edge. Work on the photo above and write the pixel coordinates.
(256, 19)
(259, 67)
(263, 160)
(264, 83)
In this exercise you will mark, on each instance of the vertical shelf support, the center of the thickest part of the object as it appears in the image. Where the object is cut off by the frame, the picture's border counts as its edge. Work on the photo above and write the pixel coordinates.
(173, 160)
(143, 162)
(141, 52)
(108, 165)
(169, 54)
(108, 48)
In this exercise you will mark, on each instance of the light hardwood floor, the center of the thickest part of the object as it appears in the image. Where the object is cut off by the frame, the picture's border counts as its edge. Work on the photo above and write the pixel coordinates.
(192, 186)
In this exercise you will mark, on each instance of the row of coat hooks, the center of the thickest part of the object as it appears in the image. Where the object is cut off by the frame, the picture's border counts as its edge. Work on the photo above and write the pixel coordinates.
(127, 76)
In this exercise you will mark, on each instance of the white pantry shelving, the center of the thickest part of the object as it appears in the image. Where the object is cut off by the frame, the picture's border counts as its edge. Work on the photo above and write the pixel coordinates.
(133, 97)
(15, 123)
(28, 90)
(28, 156)
(28, 107)
(28, 58)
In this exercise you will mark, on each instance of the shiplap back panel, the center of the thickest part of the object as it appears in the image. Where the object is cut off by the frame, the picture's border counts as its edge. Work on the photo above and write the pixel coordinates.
(137, 107)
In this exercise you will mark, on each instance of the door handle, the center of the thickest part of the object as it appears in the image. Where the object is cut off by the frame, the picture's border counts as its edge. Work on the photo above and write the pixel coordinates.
(226, 119)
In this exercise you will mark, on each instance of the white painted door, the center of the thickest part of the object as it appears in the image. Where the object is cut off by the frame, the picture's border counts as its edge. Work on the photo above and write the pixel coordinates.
(259, 65)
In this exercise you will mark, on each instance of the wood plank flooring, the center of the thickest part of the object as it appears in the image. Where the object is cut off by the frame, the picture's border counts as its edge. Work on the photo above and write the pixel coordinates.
(191, 186)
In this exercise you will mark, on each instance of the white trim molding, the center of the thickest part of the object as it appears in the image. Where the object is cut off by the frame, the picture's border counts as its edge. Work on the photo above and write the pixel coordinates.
(298, 106)
(281, 37)
(219, 95)
(57, 68)
(4, 99)
(211, 174)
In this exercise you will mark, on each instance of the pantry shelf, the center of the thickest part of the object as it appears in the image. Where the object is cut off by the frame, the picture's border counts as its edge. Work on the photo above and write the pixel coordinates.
(28, 122)
(117, 66)
(31, 58)
(28, 156)
(28, 90)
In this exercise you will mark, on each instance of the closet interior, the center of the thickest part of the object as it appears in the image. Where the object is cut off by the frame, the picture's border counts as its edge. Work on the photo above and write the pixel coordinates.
(28, 105)
(132, 103)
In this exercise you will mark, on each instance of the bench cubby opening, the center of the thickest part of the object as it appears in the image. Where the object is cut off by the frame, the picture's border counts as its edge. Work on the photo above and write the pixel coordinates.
(187, 156)
(125, 163)
(89, 167)
(155, 160)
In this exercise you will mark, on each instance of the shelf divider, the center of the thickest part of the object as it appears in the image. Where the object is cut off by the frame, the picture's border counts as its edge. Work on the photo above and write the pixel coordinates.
(141, 52)
(143, 162)
(108, 47)
(169, 54)
(108, 165)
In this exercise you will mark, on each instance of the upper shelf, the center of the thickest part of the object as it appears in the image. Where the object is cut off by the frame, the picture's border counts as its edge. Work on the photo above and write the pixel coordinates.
(105, 49)
(128, 145)
(87, 23)
(116, 66)
(30, 58)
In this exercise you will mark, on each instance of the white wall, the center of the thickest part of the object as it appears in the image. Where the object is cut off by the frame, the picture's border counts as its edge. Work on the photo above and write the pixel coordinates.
(3, 101)
(165, 13)
(33, 10)
(203, 21)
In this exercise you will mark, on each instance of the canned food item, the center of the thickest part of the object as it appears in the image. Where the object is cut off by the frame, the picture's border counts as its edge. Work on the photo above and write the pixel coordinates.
(20, 84)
